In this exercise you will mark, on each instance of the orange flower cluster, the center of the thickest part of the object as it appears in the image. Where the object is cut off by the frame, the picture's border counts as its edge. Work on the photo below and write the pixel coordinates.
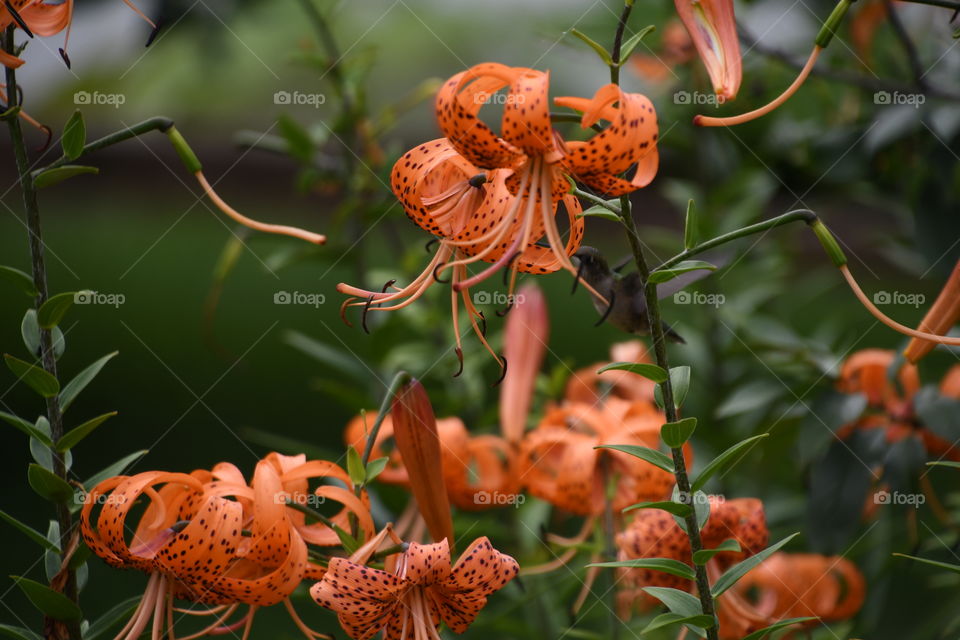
(208, 537)
(890, 408)
(493, 198)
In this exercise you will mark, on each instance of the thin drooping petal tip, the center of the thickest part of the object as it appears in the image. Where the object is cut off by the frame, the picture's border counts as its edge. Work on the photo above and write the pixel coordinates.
(941, 317)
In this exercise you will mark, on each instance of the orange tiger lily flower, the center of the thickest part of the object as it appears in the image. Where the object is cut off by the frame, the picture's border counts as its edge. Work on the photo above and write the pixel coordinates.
(655, 534)
(941, 317)
(713, 28)
(791, 585)
(560, 461)
(422, 591)
(525, 344)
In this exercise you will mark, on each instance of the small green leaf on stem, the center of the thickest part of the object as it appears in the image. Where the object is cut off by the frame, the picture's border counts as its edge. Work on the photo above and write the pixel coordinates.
(737, 571)
(19, 278)
(704, 555)
(600, 51)
(358, 474)
(49, 602)
(943, 565)
(690, 226)
(75, 435)
(680, 381)
(26, 427)
(53, 310)
(634, 40)
(676, 434)
(654, 457)
(74, 136)
(721, 461)
(598, 211)
(57, 175)
(648, 371)
(49, 486)
(38, 379)
(665, 275)
(665, 565)
(763, 633)
(30, 532)
(664, 620)
(679, 602)
(82, 379)
(676, 508)
(376, 467)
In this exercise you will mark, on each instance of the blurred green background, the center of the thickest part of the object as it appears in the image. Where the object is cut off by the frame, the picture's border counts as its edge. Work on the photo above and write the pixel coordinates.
(196, 387)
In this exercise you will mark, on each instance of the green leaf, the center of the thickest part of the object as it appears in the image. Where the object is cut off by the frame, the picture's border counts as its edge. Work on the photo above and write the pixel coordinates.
(30, 331)
(652, 456)
(763, 633)
(376, 467)
(676, 508)
(74, 136)
(114, 469)
(679, 382)
(721, 461)
(700, 503)
(82, 379)
(648, 371)
(299, 144)
(75, 435)
(53, 310)
(690, 226)
(328, 355)
(603, 53)
(19, 278)
(51, 177)
(668, 619)
(355, 466)
(665, 275)
(679, 602)
(943, 565)
(634, 40)
(30, 532)
(19, 633)
(26, 427)
(737, 571)
(38, 379)
(49, 486)
(704, 555)
(111, 618)
(51, 603)
(944, 463)
(52, 562)
(599, 211)
(666, 565)
(347, 541)
(675, 434)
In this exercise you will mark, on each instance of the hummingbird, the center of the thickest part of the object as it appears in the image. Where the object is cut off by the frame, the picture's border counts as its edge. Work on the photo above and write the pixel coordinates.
(626, 305)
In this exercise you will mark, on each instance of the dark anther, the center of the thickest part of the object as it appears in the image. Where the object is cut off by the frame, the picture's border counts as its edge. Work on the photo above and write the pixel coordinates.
(576, 280)
(459, 353)
(503, 372)
(66, 58)
(177, 527)
(389, 284)
(430, 243)
(363, 318)
(483, 324)
(153, 34)
(436, 277)
(343, 312)
(17, 18)
(502, 312)
(478, 180)
(606, 314)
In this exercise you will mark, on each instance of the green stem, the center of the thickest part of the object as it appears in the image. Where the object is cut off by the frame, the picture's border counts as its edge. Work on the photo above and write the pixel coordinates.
(158, 123)
(398, 381)
(48, 359)
(804, 215)
(660, 351)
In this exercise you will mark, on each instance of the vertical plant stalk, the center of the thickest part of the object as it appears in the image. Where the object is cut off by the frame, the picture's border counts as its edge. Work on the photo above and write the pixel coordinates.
(660, 352)
(39, 272)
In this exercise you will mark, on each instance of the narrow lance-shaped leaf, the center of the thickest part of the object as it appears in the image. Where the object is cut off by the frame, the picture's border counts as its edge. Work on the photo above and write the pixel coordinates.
(75, 435)
(53, 310)
(654, 457)
(665, 565)
(934, 563)
(26, 427)
(30, 532)
(114, 469)
(57, 175)
(49, 486)
(763, 633)
(35, 377)
(665, 275)
(663, 620)
(676, 508)
(705, 555)
(593, 44)
(82, 379)
(648, 371)
(633, 41)
(737, 571)
(47, 601)
(19, 278)
(74, 136)
(690, 226)
(722, 460)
